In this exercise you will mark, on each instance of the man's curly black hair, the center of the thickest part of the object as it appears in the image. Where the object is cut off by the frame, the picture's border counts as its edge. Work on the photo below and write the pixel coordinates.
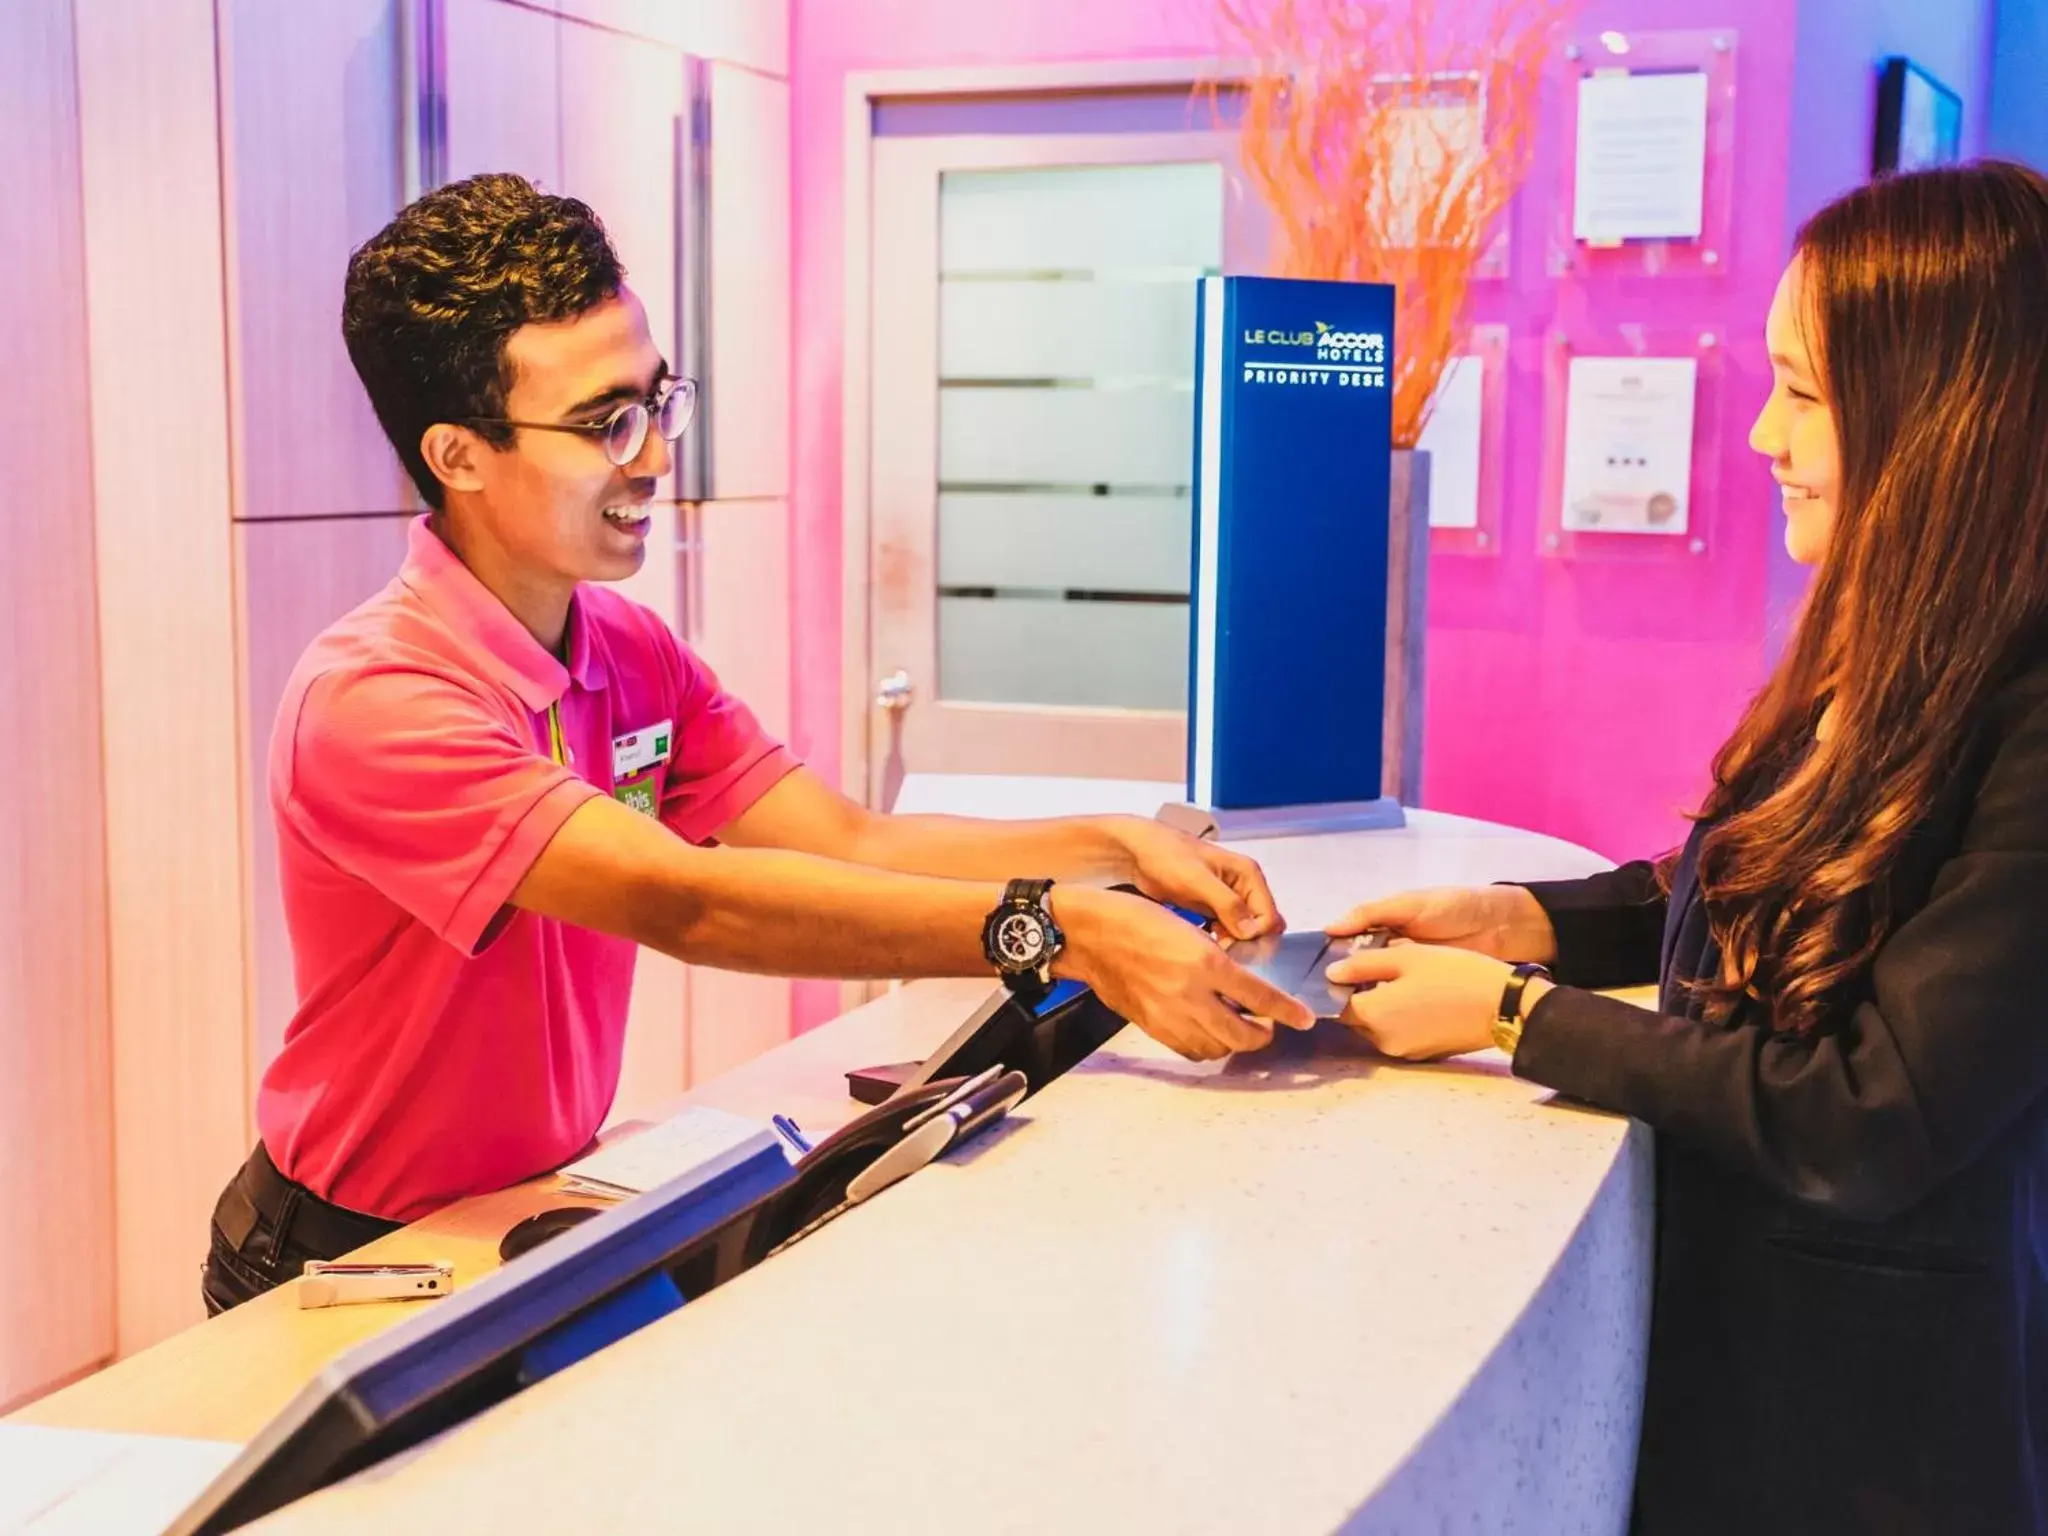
(432, 298)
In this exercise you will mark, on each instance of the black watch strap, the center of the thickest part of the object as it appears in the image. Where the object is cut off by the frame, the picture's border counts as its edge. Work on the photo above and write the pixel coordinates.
(1021, 892)
(1517, 984)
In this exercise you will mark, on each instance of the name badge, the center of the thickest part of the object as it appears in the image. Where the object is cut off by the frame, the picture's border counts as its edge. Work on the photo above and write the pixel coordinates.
(641, 750)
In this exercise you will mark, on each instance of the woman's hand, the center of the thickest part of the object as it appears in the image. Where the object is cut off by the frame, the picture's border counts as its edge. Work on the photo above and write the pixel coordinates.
(1426, 1000)
(1503, 921)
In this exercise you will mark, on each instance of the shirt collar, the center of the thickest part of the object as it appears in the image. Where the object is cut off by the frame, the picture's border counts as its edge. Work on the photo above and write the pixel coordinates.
(503, 647)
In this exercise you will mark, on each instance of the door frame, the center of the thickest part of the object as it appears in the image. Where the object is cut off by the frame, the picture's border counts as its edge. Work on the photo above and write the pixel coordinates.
(866, 91)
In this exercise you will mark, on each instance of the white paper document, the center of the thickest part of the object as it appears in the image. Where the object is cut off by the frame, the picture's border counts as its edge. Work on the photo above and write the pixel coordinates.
(1454, 440)
(1628, 444)
(80, 1482)
(1434, 146)
(633, 1164)
(1642, 157)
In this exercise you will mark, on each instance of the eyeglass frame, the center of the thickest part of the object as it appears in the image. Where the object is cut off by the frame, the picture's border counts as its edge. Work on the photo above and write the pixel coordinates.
(656, 399)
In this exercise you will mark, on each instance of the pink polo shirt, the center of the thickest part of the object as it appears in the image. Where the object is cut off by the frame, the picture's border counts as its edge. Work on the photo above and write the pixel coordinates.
(446, 1043)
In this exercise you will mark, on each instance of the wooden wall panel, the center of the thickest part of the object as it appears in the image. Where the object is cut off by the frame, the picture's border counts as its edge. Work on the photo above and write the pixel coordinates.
(296, 579)
(56, 1137)
(657, 1062)
(749, 387)
(148, 110)
(739, 623)
(750, 32)
(754, 33)
(622, 102)
(312, 154)
(504, 105)
(742, 618)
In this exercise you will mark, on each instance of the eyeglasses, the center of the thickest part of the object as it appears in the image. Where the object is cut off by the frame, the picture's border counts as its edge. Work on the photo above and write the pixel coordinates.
(624, 433)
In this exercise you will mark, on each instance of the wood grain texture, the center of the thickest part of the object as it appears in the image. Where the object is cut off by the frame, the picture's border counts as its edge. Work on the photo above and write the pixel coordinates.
(154, 290)
(56, 1134)
(296, 579)
(311, 117)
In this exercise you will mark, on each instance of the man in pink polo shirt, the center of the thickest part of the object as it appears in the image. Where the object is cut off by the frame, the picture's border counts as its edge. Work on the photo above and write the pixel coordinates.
(494, 780)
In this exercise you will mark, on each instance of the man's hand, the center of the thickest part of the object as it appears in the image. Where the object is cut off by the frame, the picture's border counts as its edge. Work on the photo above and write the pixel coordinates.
(1169, 865)
(1167, 977)
(1426, 1001)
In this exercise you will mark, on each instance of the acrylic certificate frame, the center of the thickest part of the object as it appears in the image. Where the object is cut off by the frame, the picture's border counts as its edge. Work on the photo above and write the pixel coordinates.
(1710, 52)
(1708, 347)
(1460, 88)
(1488, 347)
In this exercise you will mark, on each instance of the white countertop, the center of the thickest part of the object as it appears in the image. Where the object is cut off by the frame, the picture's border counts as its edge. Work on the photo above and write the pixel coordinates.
(82, 1482)
(1299, 1291)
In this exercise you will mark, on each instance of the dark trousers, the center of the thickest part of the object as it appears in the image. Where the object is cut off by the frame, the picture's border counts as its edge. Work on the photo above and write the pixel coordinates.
(265, 1228)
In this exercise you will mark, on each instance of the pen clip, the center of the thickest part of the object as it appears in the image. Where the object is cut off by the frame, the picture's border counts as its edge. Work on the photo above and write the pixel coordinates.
(988, 1104)
(967, 1086)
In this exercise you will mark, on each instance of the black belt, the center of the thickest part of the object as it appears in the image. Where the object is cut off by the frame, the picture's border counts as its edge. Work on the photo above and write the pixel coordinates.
(295, 1215)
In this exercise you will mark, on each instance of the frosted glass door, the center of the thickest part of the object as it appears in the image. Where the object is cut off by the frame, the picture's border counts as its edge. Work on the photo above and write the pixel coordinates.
(1033, 418)
(1066, 377)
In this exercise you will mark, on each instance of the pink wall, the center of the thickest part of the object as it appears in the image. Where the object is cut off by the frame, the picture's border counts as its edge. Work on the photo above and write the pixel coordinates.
(1583, 699)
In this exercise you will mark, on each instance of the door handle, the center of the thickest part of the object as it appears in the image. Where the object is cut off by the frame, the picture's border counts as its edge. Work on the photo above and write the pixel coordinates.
(894, 692)
(892, 697)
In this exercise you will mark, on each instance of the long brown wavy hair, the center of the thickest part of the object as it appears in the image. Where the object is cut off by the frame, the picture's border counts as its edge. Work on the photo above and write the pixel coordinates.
(1925, 305)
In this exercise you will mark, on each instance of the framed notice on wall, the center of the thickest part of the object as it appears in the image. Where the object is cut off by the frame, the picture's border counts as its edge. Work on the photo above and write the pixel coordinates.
(1628, 444)
(1438, 137)
(1465, 441)
(1641, 169)
(1632, 424)
(1651, 121)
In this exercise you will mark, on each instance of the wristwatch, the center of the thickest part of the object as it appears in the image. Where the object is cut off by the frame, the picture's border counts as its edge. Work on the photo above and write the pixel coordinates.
(1021, 940)
(1507, 1024)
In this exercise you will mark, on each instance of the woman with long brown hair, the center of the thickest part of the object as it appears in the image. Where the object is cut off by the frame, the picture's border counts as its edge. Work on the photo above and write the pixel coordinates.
(1848, 1071)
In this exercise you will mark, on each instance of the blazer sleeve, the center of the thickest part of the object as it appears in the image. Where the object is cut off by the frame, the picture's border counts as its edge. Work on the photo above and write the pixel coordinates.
(1866, 1118)
(1609, 926)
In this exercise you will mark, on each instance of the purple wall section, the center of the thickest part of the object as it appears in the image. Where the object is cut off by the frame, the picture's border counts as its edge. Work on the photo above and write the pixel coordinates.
(1834, 111)
(1579, 698)
(2016, 126)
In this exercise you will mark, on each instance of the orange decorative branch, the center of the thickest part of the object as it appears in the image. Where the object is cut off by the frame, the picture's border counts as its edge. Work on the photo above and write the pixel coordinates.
(1388, 137)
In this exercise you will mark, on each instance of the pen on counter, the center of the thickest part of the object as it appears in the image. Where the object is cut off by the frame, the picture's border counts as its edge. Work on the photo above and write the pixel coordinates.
(792, 1134)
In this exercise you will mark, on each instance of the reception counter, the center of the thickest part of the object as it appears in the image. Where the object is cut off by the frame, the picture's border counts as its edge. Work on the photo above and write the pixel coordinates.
(1300, 1291)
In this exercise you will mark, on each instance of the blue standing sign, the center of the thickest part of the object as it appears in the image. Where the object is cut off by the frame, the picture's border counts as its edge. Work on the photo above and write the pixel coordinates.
(1293, 445)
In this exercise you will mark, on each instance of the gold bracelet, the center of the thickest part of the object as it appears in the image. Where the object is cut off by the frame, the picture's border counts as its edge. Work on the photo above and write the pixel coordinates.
(1507, 1022)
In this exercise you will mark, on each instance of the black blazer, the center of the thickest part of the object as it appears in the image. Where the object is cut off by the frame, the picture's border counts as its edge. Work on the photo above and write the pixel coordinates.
(1850, 1320)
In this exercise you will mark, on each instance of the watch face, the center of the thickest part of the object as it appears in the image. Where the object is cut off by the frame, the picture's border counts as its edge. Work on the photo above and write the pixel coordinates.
(1020, 940)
